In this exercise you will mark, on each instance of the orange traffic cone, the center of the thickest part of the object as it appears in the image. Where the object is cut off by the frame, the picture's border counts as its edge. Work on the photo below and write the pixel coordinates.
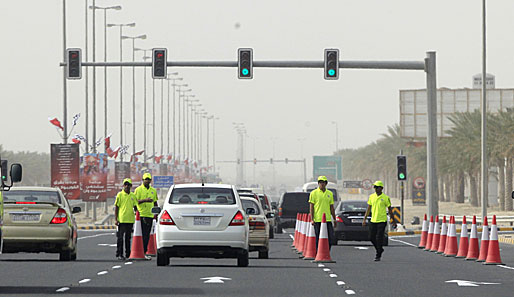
(295, 239)
(308, 225)
(451, 240)
(137, 252)
(424, 233)
(301, 235)
(309, 252)
(437, 236)
(323, 253)
(473, 250)
(151, 249)
(484, 245)
(493, 253)
(430, 234)
(464, 241)
(444, 234)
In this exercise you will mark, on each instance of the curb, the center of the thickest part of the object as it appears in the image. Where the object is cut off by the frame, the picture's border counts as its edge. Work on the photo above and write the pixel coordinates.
(96, 227)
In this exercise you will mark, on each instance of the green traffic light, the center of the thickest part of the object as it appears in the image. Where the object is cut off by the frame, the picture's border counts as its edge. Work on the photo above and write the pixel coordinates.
(401, 176)
(245, 71)
(331, 72)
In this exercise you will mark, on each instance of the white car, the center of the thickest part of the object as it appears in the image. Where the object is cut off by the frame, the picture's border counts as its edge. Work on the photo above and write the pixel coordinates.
(202, 220)
(259, 227)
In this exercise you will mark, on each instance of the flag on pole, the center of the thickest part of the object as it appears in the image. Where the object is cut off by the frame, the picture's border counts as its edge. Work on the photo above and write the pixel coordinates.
(98, 142)
(168, 157)
(56, 122)
(75, 140)
(158, 159)
(76, 119)
(107, 141)
(79, 137)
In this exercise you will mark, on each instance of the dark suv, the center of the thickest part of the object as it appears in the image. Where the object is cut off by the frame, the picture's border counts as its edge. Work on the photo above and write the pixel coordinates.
(290, 204)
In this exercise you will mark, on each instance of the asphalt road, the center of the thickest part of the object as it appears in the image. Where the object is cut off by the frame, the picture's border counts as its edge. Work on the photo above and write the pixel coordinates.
(403, 271)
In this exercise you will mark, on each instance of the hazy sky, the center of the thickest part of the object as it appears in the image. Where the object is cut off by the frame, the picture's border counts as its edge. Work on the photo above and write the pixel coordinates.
(280, 105)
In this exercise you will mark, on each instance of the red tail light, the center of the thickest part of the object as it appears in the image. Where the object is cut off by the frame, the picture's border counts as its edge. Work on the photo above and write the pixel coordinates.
(60, 217)
(238, 220)
(203, 202)
(257, 225)
(166, 219)
(280, 212)
(22, 202)
(338, 219)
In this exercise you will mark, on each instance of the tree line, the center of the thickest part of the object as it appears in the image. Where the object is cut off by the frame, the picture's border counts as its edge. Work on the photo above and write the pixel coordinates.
(36, 166)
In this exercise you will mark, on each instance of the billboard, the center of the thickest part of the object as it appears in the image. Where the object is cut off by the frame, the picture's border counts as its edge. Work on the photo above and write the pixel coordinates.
(112, 189)
(329, 166)
(94, 169)
(64, 168)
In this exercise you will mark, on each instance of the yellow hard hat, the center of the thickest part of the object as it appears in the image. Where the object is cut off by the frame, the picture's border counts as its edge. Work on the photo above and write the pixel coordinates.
(378, 183)
(322, 178)
(127, 180)
(147, 175)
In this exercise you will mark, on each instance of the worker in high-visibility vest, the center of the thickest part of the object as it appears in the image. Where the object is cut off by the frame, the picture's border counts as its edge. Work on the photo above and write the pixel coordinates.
(146, 197)
(321, 201)
(125, 205)
(378, 204)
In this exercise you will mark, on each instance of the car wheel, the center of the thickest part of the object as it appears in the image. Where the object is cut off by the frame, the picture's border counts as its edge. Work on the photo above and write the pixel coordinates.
(162, 259)
(65, 255)
(74, 255)
(279, 229)
(271, 233)
(242, 259)
(263, 254)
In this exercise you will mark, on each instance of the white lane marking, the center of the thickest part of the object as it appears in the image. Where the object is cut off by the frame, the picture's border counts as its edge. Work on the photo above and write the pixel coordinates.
(465, 283)
(63, 289)
(102, 272)
(350, 292)
(292, 237)
(332, 275)
(103, 244)
(116, 267)
(321, 265)
(404, 236)
(407, 243)
(215, 279)
(505, 266)
(96, 235)
(340, 283)
(113, 245)
(86, 280)
(361, 247)
(128, 263)
(326, 269)
(95, 230)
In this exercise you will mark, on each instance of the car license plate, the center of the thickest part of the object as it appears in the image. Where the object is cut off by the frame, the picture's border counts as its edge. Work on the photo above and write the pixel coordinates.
(356, 220)
(202, 221)
(24, 217)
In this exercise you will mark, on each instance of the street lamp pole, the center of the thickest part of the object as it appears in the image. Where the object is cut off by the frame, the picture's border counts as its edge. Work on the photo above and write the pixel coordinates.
(174, 108)
(144, 104)
(337, 136)
(214, 143)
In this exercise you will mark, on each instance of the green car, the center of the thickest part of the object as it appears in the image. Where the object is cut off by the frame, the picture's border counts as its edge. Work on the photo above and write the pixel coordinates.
(39, 219)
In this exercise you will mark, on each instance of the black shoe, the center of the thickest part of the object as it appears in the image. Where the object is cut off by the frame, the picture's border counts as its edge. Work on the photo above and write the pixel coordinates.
(121, 258)
(377, 259)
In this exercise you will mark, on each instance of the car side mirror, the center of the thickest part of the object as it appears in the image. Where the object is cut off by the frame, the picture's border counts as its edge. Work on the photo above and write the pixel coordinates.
(156, 210)
(273, 205)
(76, 209)
(512, 194)
(250, 211)
(16, 173)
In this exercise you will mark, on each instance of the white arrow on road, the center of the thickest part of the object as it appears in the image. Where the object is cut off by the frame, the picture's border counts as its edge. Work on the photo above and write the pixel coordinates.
(465, 283)
(362, 247)
(215, 279)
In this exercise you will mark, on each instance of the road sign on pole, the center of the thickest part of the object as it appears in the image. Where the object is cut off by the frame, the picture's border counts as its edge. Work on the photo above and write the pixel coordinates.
(161, 181)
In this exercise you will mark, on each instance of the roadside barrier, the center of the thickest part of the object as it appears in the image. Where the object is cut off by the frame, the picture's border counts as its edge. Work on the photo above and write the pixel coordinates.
(473, 250)
(493, 253)
(137, 252)
(301, 241)
(295, 240)
(430, 234)
(323, 252)
(306, 234)
(424, 233)
(437, 236)
(151, 249)
(451, 240)
(464, 241)
(444, 235)
(309, 253)
(484, 244)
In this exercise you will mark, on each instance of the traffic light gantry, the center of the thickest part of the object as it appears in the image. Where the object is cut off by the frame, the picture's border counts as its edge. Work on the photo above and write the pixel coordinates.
(401, 162)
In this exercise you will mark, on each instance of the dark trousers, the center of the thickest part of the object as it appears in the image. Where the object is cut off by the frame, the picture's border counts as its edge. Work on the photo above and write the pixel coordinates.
(124, 232)
(146, 228)
(376, 235)
(330, 229)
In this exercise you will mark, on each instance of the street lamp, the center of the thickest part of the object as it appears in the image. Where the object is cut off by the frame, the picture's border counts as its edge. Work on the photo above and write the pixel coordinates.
(188, 133)
(181, 93)
(133, 38)
(214, 142)
(173, 85)
(121, 75)
(194, 128)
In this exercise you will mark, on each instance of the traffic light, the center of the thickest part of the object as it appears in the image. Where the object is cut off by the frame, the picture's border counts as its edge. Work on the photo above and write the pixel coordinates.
(238, 161)
(402, 167)
(74, 69)
(287, 160)
(331, 64)
(254, 161)
(159, 58)
(245, 63)
(271, 160)
(4, 170)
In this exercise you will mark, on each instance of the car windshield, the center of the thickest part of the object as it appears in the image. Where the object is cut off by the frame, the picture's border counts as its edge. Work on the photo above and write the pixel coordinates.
(354, 206)
(250, 204)
(202, 195)
(264, 205)
(31, 197)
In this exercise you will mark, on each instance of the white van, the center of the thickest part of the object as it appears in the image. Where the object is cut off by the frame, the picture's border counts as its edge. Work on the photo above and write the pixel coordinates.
(309, 187)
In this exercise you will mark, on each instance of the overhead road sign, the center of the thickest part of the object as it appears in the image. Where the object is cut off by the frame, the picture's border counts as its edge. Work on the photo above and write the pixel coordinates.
(354, 184)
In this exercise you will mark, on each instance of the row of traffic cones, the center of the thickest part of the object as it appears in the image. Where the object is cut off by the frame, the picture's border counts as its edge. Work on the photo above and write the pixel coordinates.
(137, 250)
(304, 241)
(443, 240)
